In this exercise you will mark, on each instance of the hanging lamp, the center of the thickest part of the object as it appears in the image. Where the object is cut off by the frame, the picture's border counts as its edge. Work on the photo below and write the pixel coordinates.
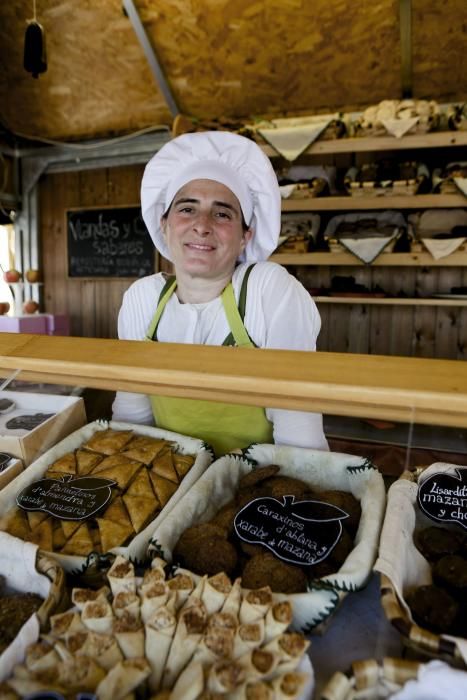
(34, 59)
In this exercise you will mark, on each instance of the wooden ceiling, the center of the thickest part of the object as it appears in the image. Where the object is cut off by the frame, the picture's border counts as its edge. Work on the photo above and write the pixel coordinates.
(223, 59)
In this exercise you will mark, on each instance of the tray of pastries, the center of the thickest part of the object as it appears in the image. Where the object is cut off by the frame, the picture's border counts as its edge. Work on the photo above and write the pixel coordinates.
(100, 490)
(153, 634)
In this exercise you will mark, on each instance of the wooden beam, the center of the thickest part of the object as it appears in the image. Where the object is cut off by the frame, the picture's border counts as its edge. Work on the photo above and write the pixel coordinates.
(396, 388)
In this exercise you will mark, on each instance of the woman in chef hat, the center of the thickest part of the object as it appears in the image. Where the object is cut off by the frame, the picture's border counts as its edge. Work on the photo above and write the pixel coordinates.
(211, 203)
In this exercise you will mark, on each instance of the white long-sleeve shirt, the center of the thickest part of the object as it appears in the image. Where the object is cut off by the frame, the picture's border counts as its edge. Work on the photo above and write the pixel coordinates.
(279, 314)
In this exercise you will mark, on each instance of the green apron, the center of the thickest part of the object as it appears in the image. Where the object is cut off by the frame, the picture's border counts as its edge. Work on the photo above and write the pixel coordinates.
(223, 426)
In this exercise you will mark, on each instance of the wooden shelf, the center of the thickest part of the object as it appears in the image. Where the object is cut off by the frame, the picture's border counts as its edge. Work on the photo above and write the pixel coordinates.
(393, 388)
(443, 139)
(420, 201)
(390, 301)
(457, 259)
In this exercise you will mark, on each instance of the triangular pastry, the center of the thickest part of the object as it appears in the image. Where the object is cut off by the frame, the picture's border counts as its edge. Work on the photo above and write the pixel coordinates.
(113, 534)
(183, 464)
(42, 535)
(35, 517)
(144, 448)
(16, 523)
(69, 527)
(116, 511)
(112, 461)
(140, 509)
(163, 488)
(86, 461)
(164, 466)
(141, 485)
(58, 537)
(66, 464)
(80, 543)
(122, 474)
(108, 441)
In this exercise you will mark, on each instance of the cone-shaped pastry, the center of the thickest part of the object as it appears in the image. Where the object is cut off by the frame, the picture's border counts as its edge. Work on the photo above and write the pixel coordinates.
(248, 637)
(215, 591)
(102, 647)
(160, 631)
(183, 585)
(190, 683)
(289, 686)
(255, 604)
(153, 598)
(129, 633)
(126, 603)
(278, 618)
(121, 576)
(190, 628)
(81, 596)
(225, 676)
(98, 616)
(63, 624)
(289, 648)
(122, 679)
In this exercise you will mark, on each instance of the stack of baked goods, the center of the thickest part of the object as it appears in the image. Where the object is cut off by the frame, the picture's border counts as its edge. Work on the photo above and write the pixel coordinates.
(415, 116)
(138, 472)
(304, 522)
(164, 638)
(422, 560)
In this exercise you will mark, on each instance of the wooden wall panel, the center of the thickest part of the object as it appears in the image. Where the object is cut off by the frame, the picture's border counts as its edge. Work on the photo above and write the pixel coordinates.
(91, 304)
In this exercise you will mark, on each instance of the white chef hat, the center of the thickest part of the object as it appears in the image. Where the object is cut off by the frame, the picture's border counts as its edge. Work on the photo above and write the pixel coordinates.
(234, 161)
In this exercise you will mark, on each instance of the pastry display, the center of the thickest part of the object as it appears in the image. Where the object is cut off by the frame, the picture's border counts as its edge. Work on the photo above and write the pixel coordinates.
(145, 473)
(202, 639)
(214, 546)
(440, 606)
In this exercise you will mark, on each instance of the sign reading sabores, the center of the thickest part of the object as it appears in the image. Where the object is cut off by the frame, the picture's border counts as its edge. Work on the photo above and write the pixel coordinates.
(108, 242)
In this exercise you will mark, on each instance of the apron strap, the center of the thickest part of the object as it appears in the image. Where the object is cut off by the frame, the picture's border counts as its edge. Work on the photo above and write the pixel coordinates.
(235, 315)
(164, 297)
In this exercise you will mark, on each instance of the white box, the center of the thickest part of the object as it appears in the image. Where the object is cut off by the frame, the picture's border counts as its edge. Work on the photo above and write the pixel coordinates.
(69, 415)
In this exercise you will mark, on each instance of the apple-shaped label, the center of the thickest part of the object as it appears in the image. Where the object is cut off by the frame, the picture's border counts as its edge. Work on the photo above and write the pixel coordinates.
(67, 498)
(300, 532)
(28, 421)
(443, 497)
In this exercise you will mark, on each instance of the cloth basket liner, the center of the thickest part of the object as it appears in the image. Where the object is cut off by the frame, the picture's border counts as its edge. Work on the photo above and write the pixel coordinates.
(25, 569)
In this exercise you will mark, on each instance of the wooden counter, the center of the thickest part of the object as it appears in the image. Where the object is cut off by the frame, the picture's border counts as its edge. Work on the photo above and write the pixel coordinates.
(394, 388)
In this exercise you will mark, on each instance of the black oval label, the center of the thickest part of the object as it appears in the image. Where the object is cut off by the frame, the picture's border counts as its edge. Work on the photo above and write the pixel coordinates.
(71, 499)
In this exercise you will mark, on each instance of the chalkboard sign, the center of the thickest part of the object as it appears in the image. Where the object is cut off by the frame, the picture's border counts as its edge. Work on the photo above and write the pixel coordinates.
(67, 499)
(108, 242)
(443, 497)
(300, 532)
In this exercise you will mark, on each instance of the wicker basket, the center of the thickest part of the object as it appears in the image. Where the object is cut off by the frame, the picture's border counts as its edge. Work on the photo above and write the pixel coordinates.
(424, 642)
(370, 680)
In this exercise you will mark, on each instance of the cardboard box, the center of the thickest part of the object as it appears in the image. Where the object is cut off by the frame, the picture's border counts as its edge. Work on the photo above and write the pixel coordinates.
(14, 468)
(69, 415)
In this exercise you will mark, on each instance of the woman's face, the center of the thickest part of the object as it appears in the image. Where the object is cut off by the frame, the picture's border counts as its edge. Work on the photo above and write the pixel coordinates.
(204, 230)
